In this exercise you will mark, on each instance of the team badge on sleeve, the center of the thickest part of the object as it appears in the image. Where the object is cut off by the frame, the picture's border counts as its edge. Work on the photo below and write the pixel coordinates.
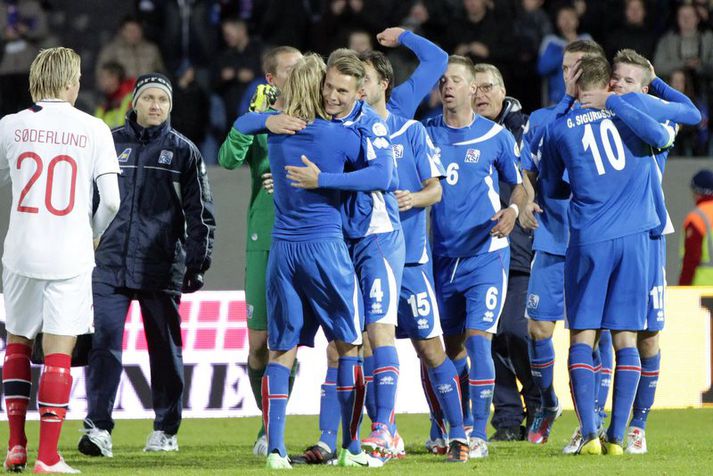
(166, 157)
(379, 129)
(124, 156)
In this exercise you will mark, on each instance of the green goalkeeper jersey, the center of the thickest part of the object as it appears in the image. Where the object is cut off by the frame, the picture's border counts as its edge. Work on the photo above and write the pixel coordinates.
(237, 149)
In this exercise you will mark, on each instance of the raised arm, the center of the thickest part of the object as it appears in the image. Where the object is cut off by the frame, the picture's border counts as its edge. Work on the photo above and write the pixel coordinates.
(433, 61)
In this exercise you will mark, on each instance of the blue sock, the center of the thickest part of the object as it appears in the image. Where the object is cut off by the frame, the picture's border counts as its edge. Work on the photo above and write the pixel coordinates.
(647, 390)
(329, 410)
(386, 379)
(438, 424)
(350, 391)
(626, 380)
(581, 381)
(275, 388)
(482, 382)
(370, 390)
(542, 364)
(463, 371)
(446, 384)
(606, 355)
(597, 364)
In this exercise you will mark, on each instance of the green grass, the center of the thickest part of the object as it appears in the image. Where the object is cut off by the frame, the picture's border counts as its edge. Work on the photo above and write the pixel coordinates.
(679, 443)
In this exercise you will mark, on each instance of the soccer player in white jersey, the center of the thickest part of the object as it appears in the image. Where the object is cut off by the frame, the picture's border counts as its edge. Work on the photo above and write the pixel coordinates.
(53, 154)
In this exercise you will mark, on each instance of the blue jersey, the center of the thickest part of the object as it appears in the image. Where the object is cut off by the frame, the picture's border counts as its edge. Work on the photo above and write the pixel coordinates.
(476, 157)
(610, 172)
(552, 234)
(377, 211)
(309, 215)
(678, 109)
(417, 160)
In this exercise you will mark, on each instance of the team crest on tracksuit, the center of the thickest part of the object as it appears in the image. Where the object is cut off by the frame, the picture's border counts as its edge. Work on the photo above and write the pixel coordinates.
(166, 157)
(124, 156)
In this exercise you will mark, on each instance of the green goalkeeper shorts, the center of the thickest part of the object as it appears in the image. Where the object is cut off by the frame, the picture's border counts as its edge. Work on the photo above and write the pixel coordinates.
(255, 267)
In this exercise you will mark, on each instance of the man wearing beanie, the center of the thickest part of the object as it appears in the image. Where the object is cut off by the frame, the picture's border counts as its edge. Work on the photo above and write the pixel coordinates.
(158, 246)
(697, 267)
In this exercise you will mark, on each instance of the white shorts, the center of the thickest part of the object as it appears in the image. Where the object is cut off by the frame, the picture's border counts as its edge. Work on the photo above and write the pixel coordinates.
(59, 306)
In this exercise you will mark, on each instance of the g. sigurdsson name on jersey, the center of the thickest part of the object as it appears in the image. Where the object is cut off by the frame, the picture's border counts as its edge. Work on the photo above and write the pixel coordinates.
(589, 116)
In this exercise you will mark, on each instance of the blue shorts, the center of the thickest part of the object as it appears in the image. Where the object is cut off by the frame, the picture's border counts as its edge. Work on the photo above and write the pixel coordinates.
(311, 284)
(607, 284)
(656, 312)
(379, 262)
(471, 291)
(545, 292)
(418, 309)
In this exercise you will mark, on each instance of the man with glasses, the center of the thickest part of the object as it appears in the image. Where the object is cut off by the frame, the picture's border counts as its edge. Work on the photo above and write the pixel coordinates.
(510, 353)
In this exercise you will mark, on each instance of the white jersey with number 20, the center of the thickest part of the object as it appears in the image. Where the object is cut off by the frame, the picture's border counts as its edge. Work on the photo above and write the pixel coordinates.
(53, 153)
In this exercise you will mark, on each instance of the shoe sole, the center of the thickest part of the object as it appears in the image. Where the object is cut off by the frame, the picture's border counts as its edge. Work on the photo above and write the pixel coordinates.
(14, 468)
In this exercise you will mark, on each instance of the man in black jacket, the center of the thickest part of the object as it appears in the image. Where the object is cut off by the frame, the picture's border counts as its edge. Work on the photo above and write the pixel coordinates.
(510, 353)
(158, 246)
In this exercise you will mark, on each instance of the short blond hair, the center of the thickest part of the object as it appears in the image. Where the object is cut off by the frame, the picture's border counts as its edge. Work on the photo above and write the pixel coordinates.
(347, 62)
(465, 62)
(303, 90)
(52, 70)
(629, 56)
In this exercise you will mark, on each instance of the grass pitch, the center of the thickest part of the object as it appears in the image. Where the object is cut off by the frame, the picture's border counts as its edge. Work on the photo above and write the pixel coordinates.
(679, 443)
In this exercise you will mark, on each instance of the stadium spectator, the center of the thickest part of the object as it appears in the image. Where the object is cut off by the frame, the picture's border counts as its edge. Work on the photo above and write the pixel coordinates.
(635, 33)
(190, 114)
(116, 89)
(530, 26)
(237, 65)
(23, 24)
(187, 32)
(686, 47)
(131, 50)
(360, 41)
(283, 22)
(552, 51)
(427, 18)
(475, 34)
(691, 140)
(697, 265)
(703, 8)
(158, 246)
(509, 347)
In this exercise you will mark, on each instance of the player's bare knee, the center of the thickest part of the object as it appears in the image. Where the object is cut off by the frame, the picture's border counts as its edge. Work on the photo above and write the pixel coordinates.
(648, 344)
(332, 355)
(623, 339)
(381, 335)
(430, 351)
(56, 344)
(540, 330)
(476, 332)
(14, 339)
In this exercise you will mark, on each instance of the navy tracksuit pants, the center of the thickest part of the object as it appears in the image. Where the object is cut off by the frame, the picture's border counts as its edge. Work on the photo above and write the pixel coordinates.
(162, 325)
(512, 361)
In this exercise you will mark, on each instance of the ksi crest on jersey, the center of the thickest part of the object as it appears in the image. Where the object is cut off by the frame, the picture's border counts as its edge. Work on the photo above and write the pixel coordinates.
(472, 156)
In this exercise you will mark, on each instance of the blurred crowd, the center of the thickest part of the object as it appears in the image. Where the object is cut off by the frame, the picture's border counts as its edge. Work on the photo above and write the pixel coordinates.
(212, 49)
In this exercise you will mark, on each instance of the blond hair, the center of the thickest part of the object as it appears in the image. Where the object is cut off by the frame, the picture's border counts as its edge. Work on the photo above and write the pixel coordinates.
(347, 62)
(465, 62)
(52, 71)
(596, 73)
(303, 90)
(629, 56)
